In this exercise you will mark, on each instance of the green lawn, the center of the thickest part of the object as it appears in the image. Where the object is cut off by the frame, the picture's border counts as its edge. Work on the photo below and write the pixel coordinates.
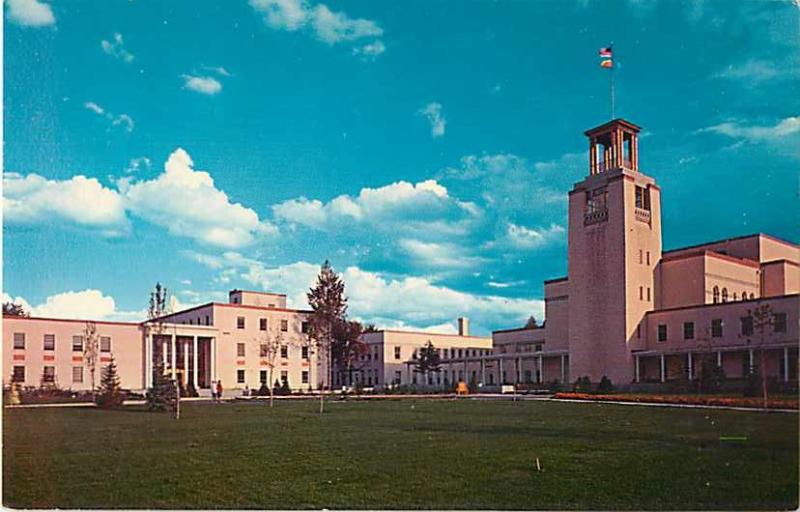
(401, 454)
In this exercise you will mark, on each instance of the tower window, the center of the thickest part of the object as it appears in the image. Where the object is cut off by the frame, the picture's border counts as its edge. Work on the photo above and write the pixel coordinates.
(662, 333)
(715, 295)
(724, 295)
(643, 198)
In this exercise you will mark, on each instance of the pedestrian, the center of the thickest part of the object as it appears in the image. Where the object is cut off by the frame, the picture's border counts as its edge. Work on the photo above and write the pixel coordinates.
(219, 390)
(214, 390)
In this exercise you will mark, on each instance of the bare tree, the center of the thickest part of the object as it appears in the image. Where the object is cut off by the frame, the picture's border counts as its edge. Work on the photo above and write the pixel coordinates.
(763, 323)
(91, 348)
(269, 347)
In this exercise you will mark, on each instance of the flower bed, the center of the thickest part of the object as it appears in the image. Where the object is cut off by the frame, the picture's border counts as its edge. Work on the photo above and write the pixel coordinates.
(772, 403)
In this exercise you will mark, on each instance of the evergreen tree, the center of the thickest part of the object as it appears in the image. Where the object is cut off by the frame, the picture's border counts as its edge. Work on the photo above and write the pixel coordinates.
(347, 347)
(286, 389)
(162, 396)
(531, 323)
(110, 393)
(428, 360)
(13, 309)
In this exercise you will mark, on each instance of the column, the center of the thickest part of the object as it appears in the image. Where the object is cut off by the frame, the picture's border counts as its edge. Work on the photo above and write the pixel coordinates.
(500, 367)
(186, 363)
(719, 358)
(164, 347)
(785, 364)
(483, 371)
(663, 369)
(750, 353)
(636, 368)
(174, 346)
(212, 358)
(194, 363)
(635, 152)
(148, 361)
(592, 156)
(563, 369)
(691, 369)
(541, 372)
(519, 370)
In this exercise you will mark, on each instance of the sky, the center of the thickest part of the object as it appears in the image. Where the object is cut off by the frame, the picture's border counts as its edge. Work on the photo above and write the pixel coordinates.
(425, 148)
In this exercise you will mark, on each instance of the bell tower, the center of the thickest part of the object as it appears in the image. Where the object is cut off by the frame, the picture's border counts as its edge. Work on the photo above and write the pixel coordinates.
(614, 247)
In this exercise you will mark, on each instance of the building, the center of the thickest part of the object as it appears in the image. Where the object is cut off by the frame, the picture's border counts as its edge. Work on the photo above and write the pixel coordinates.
(632, 312)
(626, 310)
(238, 342)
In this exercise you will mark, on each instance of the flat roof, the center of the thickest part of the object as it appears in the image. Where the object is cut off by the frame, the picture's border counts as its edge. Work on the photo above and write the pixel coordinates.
(73, 320)
(732, 239)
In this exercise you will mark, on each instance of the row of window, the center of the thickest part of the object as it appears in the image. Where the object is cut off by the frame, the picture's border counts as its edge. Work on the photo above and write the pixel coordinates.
(241, 377)
(746, 327)
(48, 374)
(49, 342)
(641, 293)
(263, 324)
(264, 351)
(715, 295)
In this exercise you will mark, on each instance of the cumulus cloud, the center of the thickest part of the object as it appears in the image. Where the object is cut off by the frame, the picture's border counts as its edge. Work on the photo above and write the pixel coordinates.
(187, 203)
(439, 255)
(30, 13)
(202, 84)
(328, 26)
(370, 51)
(782, 128)
(433, 112)
(122, 120)
(400, 205)
(82, 200)
(116, 48)
(522, 237)
(411, 302)
(89, 304)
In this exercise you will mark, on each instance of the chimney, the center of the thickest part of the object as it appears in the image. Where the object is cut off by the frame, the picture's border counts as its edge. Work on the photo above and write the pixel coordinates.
(463, 326)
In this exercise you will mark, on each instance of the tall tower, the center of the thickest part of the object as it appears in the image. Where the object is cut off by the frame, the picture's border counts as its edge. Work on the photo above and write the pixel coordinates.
(614, 246)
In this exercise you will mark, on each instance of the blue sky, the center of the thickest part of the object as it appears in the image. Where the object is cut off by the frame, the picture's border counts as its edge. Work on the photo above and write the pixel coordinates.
(425, 148)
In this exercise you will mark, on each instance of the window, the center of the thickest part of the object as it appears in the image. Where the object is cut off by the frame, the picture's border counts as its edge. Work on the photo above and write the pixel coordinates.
(528, 376)
(263, 350)
(262, 324)
(19, 374)
(284, 377)
(643, 198)
(397, 376)
(641, 257)
(304, 352)
(639, 331)
(662, 332)
(304, 377)
(779, 322)
(641, 293)
(77, 374)
(262, 376)
(735, 297)
(648, 257)
(744, 295)
(397, 352)
(49, 341)
(240, 376)
(19, 340)
(240, 322)
(715, 294)
(208, 320)
(724, 295)
(538, 347)
(752, 296)
(284, 351)
(240, 350)
(688, 330)
(105, 344)
(747, 325)
(77, 343)
(716, 328)
(648, 294)
(49, 374)
(284, 325)
(460, 353)
(305, 327)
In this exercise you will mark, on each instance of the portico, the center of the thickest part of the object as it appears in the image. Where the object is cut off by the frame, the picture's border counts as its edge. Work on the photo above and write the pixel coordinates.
(188, 354)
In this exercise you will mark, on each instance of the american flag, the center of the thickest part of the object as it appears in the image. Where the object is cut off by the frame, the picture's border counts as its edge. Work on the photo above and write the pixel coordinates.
(605, 52)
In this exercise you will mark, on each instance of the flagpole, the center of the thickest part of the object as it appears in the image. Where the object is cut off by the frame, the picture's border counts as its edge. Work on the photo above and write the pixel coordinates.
(613, 65)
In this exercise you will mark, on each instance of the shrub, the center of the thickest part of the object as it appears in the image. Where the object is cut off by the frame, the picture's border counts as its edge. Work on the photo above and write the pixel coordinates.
(110, 394)
(605, 385)
(263, 390)
(582, 385)
(286, 389)
(554, 386)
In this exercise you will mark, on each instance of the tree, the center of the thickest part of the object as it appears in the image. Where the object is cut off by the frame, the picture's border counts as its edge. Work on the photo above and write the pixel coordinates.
(370, 328)
(163, 394)
(110, 392)
(427, 360)
(91, 348)
(347, 347)
(329, 305)
(13, 309)
(763, 323)
(531, 323)
(270, 346)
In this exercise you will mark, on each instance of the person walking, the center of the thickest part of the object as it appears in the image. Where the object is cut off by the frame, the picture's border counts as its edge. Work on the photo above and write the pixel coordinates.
(219, 390)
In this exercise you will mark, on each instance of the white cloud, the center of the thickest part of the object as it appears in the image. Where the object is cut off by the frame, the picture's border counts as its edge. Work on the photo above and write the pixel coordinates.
(400, 205)
(30, 13)
(187, 203)
(218, 70)
(202, 84)
(82, 200)
(123, 120)
(87, 304)
(752, 70)
(433, 112)
(438, 255)
(370, 51)
(782, 128)
(138, 163)
(413, 302)
(522, 237)
(116, 48)
(328, 26)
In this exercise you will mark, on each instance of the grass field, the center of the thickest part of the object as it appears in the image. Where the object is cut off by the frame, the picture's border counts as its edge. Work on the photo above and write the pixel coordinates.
(401, 454)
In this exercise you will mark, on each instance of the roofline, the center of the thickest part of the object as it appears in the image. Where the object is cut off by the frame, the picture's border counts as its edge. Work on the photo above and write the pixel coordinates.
(713, 254)
(259, 293)
(556, 280)
(698, 306)
(226, 305)
(773, 238)
(618, 120)
(71, 320)
(782, 260)
(515, 329)
(426, 333)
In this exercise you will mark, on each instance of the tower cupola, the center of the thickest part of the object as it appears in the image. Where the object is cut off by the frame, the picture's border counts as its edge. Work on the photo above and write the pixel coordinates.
(613, 145)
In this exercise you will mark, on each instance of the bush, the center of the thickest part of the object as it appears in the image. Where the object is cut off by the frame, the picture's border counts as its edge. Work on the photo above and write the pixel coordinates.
(473, 385)
(712, 377)
(554, 386)
(582, 385)
(284, 388)
(605, 385)
(110, 394)
(753, 384)
(263, 390)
